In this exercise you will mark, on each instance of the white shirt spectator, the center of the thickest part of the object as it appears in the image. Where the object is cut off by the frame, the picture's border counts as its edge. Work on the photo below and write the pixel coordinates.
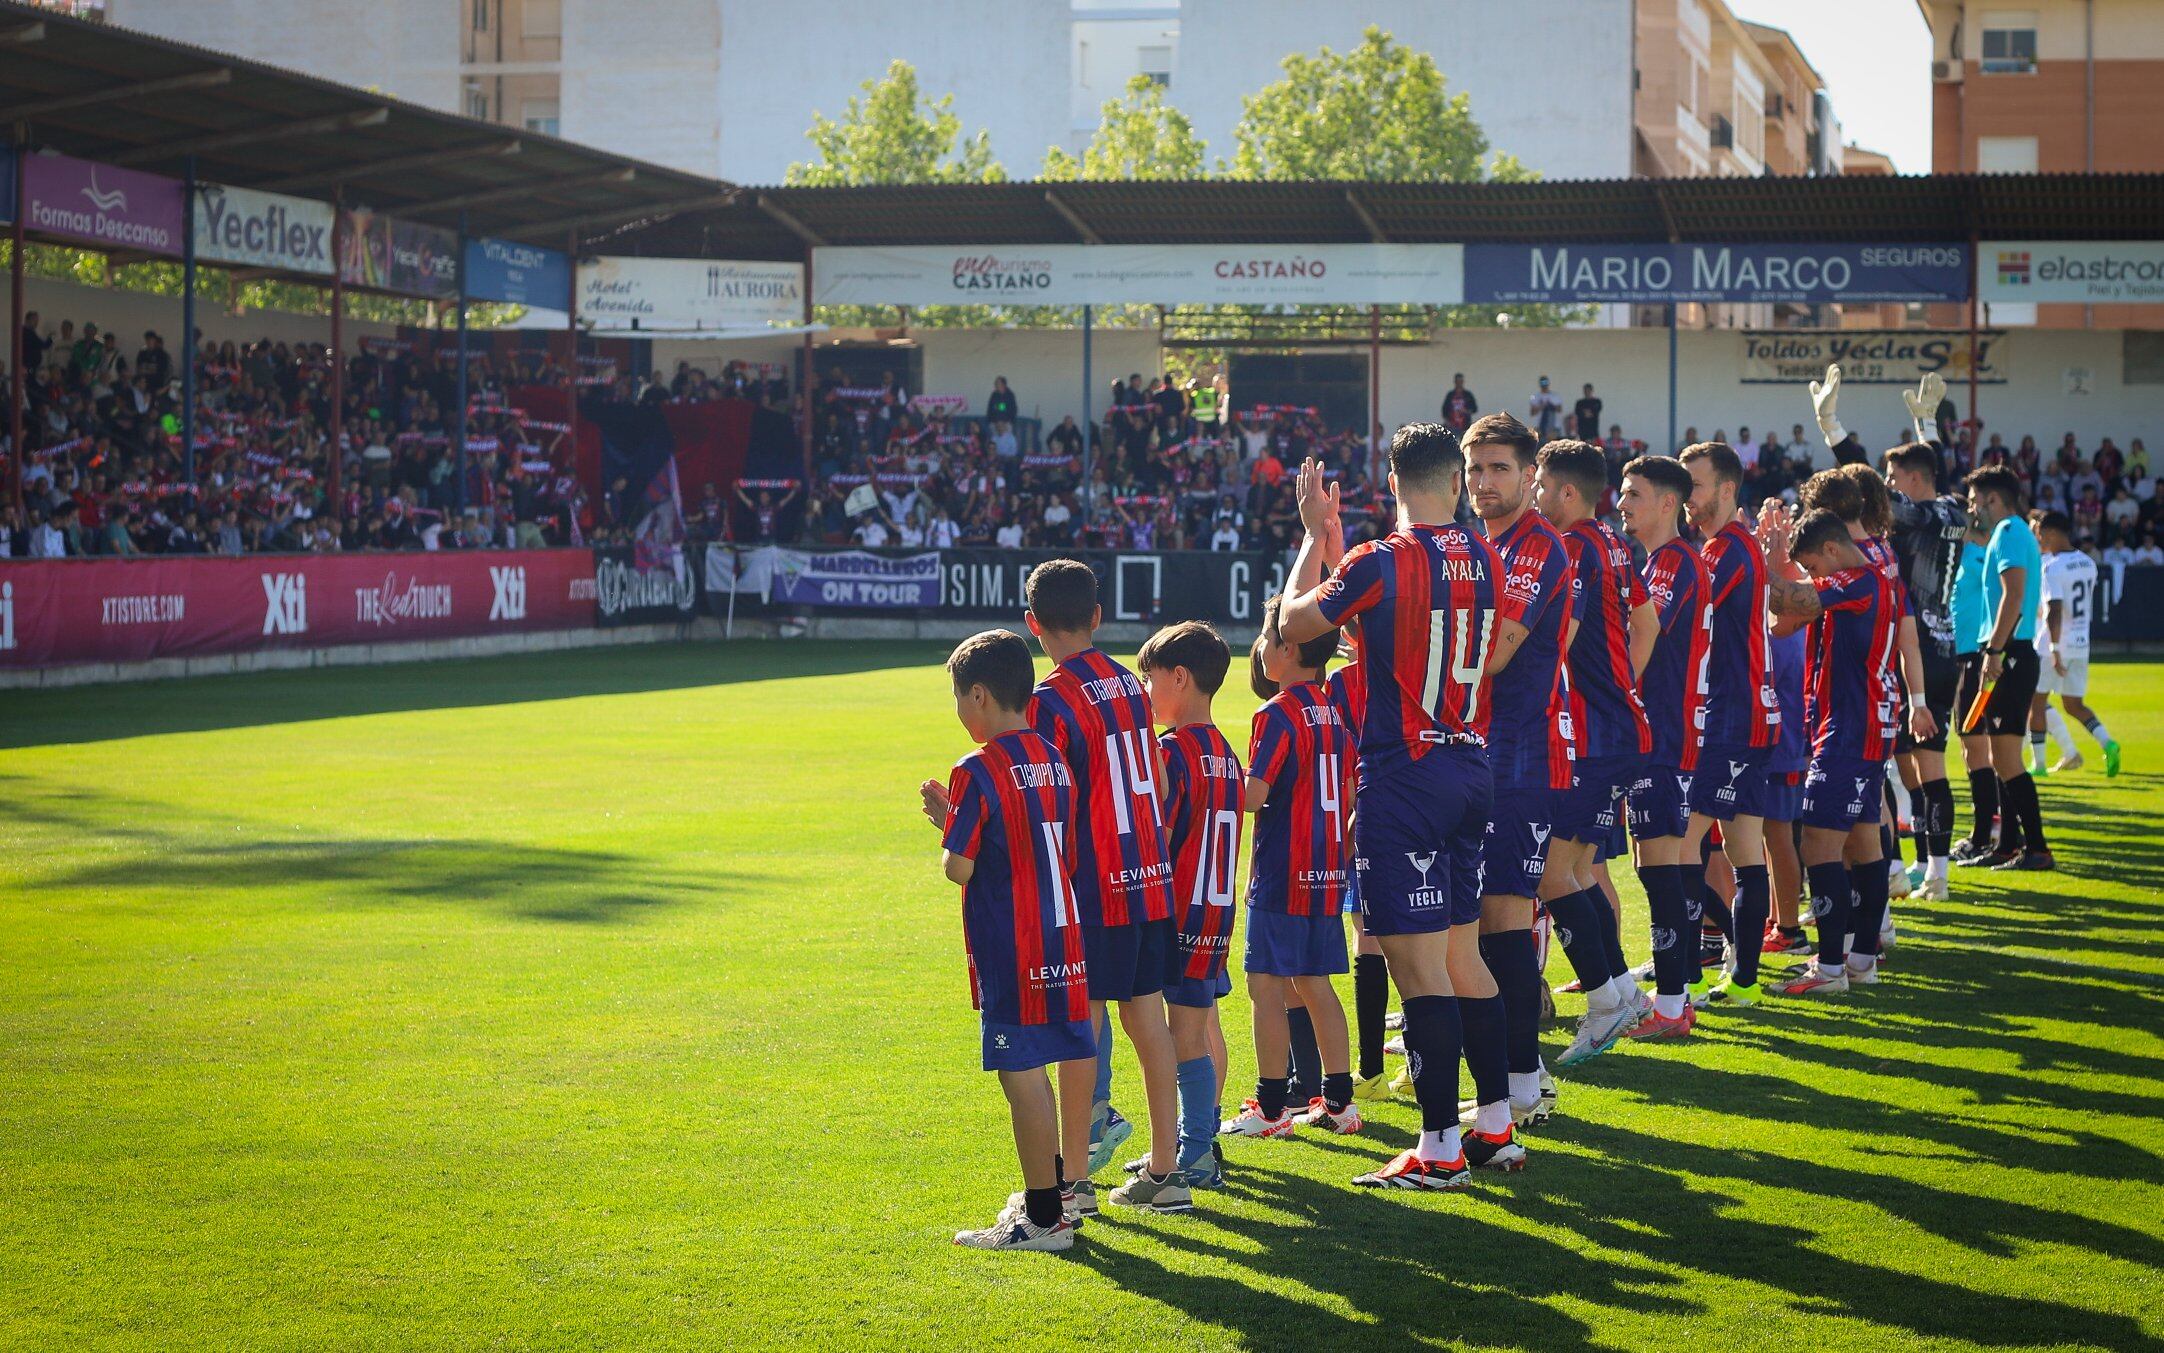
(872, 534)
(944, 535)
(899, 505)
(912, 536)
(2122, 511)
(1009, 537)
(2118, 556)
(1003, 442)
(1058, 513)
(46, 542)
(2149, 554)
(1226, 537)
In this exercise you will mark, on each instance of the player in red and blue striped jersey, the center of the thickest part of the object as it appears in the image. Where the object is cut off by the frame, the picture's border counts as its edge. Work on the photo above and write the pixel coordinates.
(1098, 716)
(1348, 688)
(1529, 747)
(1300, 788)
(1427, 597)
(1184, 666)
(1673, 691)
(1007, 818)
(1614, 637)
(1744, 715)
(1851, 702)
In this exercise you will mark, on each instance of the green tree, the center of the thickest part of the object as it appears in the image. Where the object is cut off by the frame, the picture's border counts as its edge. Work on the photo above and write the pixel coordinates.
(1379, 111)
(1140, 137)
(895, 135)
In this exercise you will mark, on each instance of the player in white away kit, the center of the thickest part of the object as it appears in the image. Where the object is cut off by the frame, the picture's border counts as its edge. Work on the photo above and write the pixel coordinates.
(2070, 582)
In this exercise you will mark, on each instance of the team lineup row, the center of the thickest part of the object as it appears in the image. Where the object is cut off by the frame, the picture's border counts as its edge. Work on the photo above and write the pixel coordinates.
(1517, 693)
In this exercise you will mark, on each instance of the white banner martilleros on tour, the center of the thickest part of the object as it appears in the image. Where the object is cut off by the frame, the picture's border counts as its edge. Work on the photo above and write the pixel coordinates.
(1112, 274)
(269, 230)
(1869, 356)
(667, 295)
(2099, 272)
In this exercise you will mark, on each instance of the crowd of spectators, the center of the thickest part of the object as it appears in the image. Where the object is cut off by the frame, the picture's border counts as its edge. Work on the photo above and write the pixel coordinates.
(1170, 464)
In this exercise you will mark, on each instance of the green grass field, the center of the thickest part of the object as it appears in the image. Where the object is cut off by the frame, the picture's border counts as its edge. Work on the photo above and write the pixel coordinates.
(614, 999)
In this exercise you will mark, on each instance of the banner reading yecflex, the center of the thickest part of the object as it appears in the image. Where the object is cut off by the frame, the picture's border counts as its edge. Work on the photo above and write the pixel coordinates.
(1658, 273)
(1112, 274)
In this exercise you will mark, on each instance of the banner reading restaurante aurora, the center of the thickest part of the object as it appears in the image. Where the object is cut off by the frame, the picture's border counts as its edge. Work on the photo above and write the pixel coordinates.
(1657, 273)
(1111, 274)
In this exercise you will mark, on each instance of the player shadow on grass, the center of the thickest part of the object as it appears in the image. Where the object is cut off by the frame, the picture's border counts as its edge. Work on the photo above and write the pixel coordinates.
(1446, 1268)
(67, 715)
(323, 872)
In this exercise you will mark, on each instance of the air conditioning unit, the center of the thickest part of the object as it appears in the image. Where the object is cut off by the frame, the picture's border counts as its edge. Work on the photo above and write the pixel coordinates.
(1946, 72)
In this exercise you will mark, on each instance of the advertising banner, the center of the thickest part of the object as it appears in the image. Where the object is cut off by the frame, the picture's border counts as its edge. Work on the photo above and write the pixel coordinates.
(521, 274)
(853, 578)
(1111, 274)
(632, 587)
(62, 611)
(2102, 272)
(267, 230)
(1221, 587)
(687, 294)
(388, 255)
(1870, 356)
(1658, 273)
(118, 209)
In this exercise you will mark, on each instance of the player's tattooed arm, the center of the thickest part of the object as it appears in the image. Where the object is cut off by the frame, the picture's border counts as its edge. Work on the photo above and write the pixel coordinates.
(1508, 635)
(1792, 600)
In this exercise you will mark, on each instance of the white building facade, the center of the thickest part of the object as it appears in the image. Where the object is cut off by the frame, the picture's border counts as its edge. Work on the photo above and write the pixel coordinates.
(728, 87)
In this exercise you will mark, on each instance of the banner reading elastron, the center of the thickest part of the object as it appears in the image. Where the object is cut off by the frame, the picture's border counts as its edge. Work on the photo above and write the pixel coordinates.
(2097, 272)
(1111, 274)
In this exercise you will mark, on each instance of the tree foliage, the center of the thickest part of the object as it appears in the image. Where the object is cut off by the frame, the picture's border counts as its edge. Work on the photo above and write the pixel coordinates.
(895, 135)
(1379, 111)
(1140, 136)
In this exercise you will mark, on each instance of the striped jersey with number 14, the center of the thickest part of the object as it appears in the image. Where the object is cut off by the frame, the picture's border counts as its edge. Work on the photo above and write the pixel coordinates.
(1742, 709)
(1303, 832)
(1011, 810)
(1203, 789)
(1095, 712)
(1850, 694)
(1427, 598)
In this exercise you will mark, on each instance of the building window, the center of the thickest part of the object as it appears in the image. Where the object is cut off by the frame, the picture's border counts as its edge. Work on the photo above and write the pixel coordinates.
(476, 103)
(540, 115)
(480, 16)
(1156, 63)
(2009, 42)
(543, 19)
(2005, 154)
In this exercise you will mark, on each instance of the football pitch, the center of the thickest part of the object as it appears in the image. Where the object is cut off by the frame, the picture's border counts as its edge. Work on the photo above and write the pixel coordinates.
(614, 999)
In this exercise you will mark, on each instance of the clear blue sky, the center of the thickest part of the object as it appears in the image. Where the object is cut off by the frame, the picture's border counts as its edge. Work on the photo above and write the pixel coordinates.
(1875, 56)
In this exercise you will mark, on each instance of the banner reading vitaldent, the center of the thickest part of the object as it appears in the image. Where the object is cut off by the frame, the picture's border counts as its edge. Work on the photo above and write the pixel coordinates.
(1657, 273)
(2099, 272)
(1111, 274)
(522, 274)
(98, 204)
(267, 230)
(687, 294)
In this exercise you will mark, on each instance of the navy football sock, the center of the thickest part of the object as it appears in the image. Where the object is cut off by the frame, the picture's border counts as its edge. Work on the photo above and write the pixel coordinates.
(1371, 1006)
(1692, 876)
(1306, 1057)
(1434, 1040)
(1481, 1020)
(1754, 903)
(1611, 931)
(1673, 936)
(1829, 907)
(1336, 1090)
(1578, 930)
(1198, 1109)
(1270, 1095)
(1511, 958)
(1869, 880)
(1984, 793)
